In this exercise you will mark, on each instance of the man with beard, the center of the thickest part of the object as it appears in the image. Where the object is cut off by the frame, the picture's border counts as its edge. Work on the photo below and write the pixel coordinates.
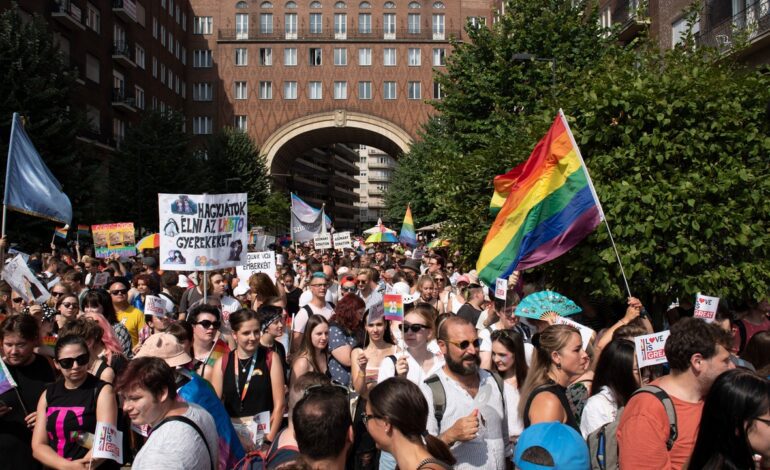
(467, 403)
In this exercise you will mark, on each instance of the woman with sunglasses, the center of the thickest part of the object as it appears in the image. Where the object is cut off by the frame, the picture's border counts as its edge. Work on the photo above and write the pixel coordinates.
(397, 419)
(508, 362)
(345, 334)
(131, 317)
(312, 355)
(96, 304)
(72, 404)
(207, 343)
(106, 358)
(249, 380)
(428, 293)
(347, 286)
(67, 309)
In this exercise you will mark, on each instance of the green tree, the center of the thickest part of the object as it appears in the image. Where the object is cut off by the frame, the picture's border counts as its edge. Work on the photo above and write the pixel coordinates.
(235, 164)
(273, 215)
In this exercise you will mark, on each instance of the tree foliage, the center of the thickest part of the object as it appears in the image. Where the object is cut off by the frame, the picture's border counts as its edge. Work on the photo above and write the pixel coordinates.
(232, 155)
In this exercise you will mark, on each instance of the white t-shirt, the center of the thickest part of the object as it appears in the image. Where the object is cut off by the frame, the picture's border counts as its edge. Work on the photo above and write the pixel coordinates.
(300, 318)
(229, 305)
(177, 446)
(600, 409)
(515, 423)
(415, 375)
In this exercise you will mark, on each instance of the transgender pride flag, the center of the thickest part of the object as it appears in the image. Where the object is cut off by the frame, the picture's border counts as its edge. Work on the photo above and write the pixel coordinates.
(6, 380)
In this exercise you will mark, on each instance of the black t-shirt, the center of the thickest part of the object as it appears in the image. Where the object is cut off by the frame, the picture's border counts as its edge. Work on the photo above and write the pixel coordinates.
(292, 300)
(15, 437)
(470, 313)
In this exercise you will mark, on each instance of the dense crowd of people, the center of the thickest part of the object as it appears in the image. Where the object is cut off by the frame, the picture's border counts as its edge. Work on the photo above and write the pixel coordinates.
(306, 372)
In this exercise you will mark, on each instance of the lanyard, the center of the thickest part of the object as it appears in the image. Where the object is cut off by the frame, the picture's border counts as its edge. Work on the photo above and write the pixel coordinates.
(248, 376)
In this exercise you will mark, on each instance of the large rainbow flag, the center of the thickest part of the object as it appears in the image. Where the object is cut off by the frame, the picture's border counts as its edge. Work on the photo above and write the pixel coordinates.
(407, 235)
(551, 207)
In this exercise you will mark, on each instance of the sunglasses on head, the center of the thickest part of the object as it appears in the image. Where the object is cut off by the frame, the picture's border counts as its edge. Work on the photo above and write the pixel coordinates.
(67, 362)
(466, 344)
(415, 327)
(119, 292)
(206, 324)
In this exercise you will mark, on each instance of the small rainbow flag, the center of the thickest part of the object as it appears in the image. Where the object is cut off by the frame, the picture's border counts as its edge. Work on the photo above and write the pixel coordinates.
(48, 341)
(551, 207)
(84, 230)
(220, 349)
(61, 232)
(6, 379)
(253, 237)
(394, 306)
(407, 236)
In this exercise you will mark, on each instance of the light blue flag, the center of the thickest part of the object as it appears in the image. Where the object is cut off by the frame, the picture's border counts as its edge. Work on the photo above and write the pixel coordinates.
(29, 185)
(306, 220)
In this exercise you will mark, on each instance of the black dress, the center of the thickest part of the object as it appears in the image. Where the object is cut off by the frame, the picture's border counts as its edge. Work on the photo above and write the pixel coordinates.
(561, 394)
(259, 396)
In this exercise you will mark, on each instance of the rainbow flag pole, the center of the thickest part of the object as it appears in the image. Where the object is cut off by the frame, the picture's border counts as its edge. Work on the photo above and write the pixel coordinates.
(60, 232)
(82, 230)
(551, 205)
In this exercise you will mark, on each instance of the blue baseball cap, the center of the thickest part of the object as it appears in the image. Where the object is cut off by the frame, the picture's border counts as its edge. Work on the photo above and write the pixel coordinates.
(567, 449)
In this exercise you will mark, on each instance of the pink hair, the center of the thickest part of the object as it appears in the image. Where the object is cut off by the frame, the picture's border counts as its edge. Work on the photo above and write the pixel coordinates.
(111, 343)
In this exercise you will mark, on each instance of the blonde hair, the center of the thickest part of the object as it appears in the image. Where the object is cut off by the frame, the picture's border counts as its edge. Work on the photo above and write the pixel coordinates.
(554, 338)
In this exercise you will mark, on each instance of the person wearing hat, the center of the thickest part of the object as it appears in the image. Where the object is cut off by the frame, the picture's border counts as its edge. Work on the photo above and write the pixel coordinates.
(241, 294)
(551, 445)
(411, 268)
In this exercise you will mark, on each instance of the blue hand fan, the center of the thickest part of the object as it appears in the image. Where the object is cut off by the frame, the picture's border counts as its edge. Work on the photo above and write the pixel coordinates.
(537, 304)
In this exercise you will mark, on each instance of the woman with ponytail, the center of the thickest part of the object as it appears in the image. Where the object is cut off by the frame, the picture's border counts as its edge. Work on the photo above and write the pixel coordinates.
(559, 359)
(397, 418)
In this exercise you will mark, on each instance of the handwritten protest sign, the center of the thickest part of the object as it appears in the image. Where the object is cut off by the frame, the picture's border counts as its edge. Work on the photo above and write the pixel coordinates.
(258, 262)
(111, 239)
(158, 306)
(108, 443)
(650, 349)
(322, 242)
(20, 278)
(501, 288)
(202, 232)
(342, 240)
(706, 307)
(585, 332)
(376, 312)
(394, 307)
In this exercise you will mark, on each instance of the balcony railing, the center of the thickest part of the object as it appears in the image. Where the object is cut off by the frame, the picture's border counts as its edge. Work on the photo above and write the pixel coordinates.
(126, 9)
(633, 16)
(68, 13)
(121, 50)
(305, 34)
(751, 24)
(121, 99)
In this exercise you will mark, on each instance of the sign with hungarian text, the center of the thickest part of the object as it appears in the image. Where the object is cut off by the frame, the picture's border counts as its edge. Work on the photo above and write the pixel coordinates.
(651, 349)
(202, 232)
(342, 240)
(257, 262)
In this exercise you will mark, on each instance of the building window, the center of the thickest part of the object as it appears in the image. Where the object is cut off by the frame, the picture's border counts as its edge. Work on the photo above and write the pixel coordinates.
(184, 21)
(118, 131)
(92, 68)
(139, 56)
(389, 25)
(389, 90)
(315, 56)
(266, 56)
(203, 25)
(202, 125)
(203, 91)
(139, 97)
(389, 56)
(241, 26)
(290, 90)
(364, 5)
(316, 23)
(365, 56)
(315, 5)
(679, 30)
(290, 56)
(241, 123)
(437, 93)
(265, 90)
(93, 18)
(389, 5)
(183, 54)
(365, 23)
(364, 91)
(340, 5)
(340, 25)
(340, 90)
(241, 56)
(315, 91)
(415, 58)
(438, 6)
(155, 28)
(162, 73)
(476, 22)
(414, 90)
(241, 5)
(202, 58)
(413, 23)
(266, 23)
(414, 6)
(290, 25)
(154, 67)
(170, 42)
(438, 26)
(241, 91)
(340, 56)
(290, 5)
(94, 118)
(439, 57)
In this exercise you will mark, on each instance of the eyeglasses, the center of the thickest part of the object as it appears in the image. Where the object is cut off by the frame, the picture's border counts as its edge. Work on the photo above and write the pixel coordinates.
(438, 279)
(466, 344)
(415, 327)
(361, 281)
(119, 292)
(67, 362)
(764, 420)
(365, 418)
(69, 305)
(319, 285)
(206, 324)
(349, 289)
(17, 300)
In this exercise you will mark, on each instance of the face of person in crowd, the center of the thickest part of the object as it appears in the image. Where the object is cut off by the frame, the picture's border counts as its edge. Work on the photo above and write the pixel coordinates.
(247, 336)
(325, 258)
(410, 274)
(142, 407)
(93, 309)
(461, 350)
(57, 291)
(73, 362)
(412, 338)
(69, 307)
(205, 327)
(318, 287)
(91, 267)
(17, 301)
(348, 287)
(450, 268)
(376, 330)
(508, 318)
(572, 358)
(503, 359)
(319, 337)
(17, 351)
(427, 290)
(363, 283)
(710, 369)
(433, 266)
(379, 256)
(378, 428)
(160, 323)
(288, 282)
(276, 328)
(218, 285)
(364, 261)
(142, 287)
(439, 282)
(759, 435)
(119, 293)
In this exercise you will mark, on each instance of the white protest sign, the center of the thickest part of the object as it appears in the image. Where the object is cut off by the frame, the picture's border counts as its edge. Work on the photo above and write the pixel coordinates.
(585, 332)
(18, 275)
(376, 312)
(202, 232)
(14, 251)
(501, 288)
(157, 306)
(258, 262)
(342, 240)
(706, 307)
(263, 423)
(650, 349)
(108, 443)
(322, 242)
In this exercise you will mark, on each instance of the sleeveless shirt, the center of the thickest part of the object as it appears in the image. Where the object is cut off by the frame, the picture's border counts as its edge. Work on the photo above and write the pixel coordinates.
(561, 394)
(259, 396)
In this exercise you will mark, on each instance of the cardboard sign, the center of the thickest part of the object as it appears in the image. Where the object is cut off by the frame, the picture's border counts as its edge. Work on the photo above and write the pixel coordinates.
(322, 242)
(706, 307)
(376, 312)
(650, 349)
(501, 288)
(202, 232)
(393, 306)
(111, 239)
(100, 279)
(18, 275)
(15, 252)
(108, 443)
(157, 306)
(585, 333)
(342, 240)
(259, 262)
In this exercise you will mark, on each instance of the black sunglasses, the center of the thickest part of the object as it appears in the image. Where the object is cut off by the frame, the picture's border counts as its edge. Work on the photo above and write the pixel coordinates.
(415, 327)
(206, 324)
(119, 292)
(466, 344)
(17, 300)
(69, 305)
(56, 294)
(67, 362)
(349, 289)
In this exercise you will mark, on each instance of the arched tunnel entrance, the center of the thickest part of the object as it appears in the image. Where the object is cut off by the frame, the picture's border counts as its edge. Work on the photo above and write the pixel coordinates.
(343, 159)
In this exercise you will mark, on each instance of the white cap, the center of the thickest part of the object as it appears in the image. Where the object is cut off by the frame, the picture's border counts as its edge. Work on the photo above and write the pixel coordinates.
(241, 289)
(402, 288)
(183, 282)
